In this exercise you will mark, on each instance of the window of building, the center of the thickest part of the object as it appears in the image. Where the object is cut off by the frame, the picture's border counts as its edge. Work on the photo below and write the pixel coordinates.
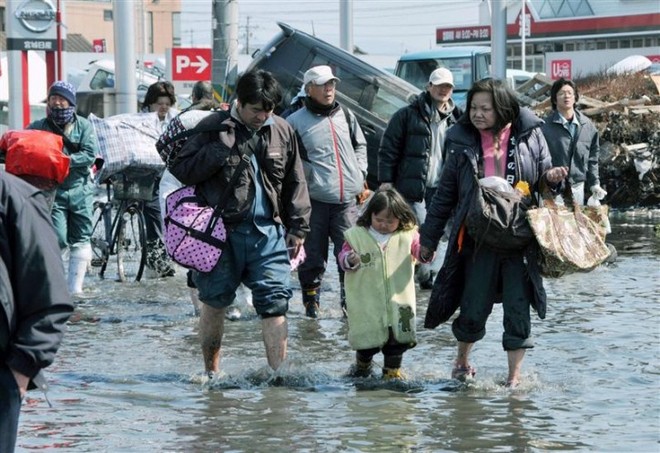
(613, 44)
(601, 45)
(3, 27)
(551, 9)
(107, 15)
(569, 46)
(638, 42)
(176, 29)
(624, 44)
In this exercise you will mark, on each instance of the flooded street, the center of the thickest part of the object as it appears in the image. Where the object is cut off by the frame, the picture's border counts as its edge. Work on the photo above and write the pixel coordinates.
(129, 375)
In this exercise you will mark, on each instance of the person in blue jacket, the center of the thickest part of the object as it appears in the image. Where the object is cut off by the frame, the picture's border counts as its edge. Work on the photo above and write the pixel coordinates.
(34, 302)
(72, 211)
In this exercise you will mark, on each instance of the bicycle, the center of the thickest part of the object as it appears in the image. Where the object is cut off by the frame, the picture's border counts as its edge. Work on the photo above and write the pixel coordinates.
(119, 226)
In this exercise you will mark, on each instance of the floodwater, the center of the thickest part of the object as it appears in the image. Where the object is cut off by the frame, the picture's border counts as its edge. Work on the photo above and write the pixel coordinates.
(129, 375)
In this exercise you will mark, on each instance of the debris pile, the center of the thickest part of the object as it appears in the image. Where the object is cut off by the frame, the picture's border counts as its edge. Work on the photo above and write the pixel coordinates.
(626, 111)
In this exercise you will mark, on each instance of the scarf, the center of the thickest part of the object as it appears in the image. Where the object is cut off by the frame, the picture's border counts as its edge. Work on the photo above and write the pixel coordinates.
(319, 109)
(61, 117)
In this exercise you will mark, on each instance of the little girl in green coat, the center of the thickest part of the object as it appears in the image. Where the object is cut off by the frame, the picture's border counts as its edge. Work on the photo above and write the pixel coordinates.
(378, 257)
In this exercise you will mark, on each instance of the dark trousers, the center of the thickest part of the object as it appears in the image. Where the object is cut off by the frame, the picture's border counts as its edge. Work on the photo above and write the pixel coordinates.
(392, 353)
(152, 219)
(10, 407)
(328, 222)
(490, 277)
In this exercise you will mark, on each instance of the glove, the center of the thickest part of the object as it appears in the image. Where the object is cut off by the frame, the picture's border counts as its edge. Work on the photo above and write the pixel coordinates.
(598, 192)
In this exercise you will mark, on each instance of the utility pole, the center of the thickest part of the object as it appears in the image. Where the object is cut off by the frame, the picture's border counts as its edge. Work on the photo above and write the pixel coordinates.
(247, 29)
(247, 36)
(498, 38)
(523, 35)
(125, 86)
(225, 48)
(346, 25)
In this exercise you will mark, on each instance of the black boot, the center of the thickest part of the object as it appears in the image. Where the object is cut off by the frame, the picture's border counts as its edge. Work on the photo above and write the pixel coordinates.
(362, 366)
(311, 301)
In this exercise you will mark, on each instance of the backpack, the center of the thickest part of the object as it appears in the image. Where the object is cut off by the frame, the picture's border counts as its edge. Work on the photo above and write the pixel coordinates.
(181, 128)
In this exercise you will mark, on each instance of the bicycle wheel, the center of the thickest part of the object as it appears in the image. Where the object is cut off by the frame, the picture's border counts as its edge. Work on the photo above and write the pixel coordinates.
(101, 236)
(130, 242)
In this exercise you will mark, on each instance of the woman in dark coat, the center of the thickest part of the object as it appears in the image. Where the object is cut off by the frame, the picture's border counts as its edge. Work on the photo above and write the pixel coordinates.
(495, 137)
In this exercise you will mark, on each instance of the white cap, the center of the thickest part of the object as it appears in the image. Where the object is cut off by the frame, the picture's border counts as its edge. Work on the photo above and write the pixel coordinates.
(440, 76)
(319, 75)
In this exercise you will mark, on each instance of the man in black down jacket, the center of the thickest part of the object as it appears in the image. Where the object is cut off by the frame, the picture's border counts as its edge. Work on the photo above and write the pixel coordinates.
(34, 297)
(411, 150)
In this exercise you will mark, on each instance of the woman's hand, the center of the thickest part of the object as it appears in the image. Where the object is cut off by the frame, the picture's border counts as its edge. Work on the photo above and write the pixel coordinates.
(425, 255)
(555, 175)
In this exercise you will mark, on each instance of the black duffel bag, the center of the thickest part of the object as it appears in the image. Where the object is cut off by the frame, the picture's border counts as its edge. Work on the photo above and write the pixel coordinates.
(498, 218)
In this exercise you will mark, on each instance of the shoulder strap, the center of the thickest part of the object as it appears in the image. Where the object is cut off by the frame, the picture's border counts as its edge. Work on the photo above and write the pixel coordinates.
(245, 151)
(349, 119)
(215, 127)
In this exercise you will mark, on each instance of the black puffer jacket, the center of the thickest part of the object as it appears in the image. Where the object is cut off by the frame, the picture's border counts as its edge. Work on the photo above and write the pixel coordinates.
(404, 153)
(34, 302)
(454, 194)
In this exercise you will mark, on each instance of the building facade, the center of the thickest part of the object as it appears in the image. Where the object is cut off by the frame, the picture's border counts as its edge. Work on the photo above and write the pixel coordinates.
(553, 26)
(157, 24)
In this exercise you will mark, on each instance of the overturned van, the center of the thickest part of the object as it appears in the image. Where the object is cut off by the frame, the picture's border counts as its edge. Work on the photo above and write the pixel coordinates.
(371, 93)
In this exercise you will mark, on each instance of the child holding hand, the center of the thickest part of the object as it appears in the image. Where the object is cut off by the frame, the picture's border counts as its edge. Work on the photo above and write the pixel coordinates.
(378, 257)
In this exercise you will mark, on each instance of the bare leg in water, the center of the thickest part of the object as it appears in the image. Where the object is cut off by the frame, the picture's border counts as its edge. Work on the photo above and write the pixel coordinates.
(462, 359)
(515, 358)
(211, 329)
(275, 331)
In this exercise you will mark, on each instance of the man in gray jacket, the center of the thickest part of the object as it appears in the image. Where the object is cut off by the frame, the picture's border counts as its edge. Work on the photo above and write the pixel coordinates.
(334, 153)
(34, 302)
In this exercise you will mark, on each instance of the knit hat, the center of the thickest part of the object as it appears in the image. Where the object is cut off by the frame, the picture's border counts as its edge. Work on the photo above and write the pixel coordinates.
(64, 89)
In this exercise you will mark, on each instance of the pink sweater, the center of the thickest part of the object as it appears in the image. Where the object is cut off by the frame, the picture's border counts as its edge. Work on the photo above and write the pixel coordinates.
(495, 162)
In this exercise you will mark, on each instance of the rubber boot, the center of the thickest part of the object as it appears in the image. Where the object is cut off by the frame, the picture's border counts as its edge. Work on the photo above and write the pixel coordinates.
(392, 367)
(362, 366)
(79, 258)
(311, 301)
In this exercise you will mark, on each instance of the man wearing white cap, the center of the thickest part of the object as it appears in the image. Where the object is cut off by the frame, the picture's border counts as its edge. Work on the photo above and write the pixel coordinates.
(415, 135)
(334, 154)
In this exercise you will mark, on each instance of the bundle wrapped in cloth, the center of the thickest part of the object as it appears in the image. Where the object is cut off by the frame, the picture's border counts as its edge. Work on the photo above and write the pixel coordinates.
(127, 140)
(570, 237)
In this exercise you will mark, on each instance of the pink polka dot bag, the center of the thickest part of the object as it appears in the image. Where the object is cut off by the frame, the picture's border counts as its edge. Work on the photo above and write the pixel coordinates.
(195, 235)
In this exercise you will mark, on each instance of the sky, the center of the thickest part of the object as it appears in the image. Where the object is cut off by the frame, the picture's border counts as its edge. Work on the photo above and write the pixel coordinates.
(380, 27)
